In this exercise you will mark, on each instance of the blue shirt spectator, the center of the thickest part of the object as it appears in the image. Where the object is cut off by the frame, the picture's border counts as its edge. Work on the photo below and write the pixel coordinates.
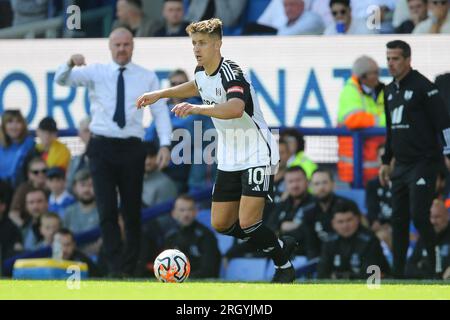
(15, 144)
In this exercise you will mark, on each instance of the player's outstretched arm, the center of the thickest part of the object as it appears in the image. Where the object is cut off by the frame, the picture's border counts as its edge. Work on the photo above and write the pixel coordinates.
(184, 90)
(232, 109)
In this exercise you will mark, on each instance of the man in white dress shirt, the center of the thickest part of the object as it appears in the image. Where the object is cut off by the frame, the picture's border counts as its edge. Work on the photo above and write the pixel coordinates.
(115, 150)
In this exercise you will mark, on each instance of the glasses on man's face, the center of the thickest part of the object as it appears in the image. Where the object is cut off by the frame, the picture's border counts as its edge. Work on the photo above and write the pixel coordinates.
(338, 12)
(442, 2)
(36, 172)
(175, 83)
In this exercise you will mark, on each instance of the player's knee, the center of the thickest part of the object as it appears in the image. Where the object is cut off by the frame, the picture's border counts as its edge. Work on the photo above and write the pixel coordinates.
(221, 227)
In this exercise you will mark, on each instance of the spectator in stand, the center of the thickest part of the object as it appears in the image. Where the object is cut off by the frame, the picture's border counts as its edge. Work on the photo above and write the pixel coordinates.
(37, 170)
(158, 187)
(296, 145)
(347, 253)
(361, 105)
(10, 236)
(15, 144)
(287, 216)
(344, 23)
(174, 24)
(70, 251)
(194, 239)
(81, 161)
(26, 11)
(36, 206)
(54, 152)
(418, 265)
(83, 214)
(59, 198)
(438, 19)
(318, 219)
(418, 12)
(228, 11)
(130, 15)
(49, 224)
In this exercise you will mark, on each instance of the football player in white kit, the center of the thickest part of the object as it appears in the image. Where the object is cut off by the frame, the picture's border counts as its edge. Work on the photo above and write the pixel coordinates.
(247, 152)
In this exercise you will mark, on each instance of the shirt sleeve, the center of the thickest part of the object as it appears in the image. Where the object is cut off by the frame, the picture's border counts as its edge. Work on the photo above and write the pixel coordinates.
(161, 116)
(74, 77)
(234, 83)
(439, 116)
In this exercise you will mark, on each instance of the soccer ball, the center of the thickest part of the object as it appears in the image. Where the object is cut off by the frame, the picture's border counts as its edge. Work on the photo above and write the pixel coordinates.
(171, 266)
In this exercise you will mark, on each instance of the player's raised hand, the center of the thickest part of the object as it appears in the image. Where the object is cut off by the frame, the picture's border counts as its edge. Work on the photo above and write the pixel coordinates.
(184, 109)
(77, 60)
(147, 98)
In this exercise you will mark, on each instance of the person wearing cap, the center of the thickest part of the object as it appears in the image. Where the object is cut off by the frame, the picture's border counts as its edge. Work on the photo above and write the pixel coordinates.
(361, 105)
(115, 150)
(59, 198)
(54, 152)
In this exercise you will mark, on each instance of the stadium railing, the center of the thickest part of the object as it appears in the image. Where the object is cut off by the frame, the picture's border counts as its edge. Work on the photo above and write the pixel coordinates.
(51, 26)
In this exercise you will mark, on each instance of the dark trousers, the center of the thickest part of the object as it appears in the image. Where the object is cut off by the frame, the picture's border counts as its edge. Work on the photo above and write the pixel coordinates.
(118, 165)
(413, 191)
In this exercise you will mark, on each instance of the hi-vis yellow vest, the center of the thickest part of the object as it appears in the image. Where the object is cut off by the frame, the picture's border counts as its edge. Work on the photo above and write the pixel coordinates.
(358, 110)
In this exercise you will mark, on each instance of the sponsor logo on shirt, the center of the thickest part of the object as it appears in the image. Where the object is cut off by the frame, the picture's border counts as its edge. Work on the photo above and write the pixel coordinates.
(235, 89)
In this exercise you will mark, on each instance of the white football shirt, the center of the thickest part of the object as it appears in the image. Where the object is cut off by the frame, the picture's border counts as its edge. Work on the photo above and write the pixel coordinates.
(244, 142)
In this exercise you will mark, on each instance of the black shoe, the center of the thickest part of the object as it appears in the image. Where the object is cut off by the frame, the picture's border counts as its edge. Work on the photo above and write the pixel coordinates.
(289, 245)
(286, 275)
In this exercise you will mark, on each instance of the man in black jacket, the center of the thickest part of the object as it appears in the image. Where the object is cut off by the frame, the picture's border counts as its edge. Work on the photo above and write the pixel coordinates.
(418, 265)
(195, 240)
(349, 252)
(317, 220)
(415, 116)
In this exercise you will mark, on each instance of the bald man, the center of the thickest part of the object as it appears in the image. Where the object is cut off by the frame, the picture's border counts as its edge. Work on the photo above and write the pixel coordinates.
(115, 150)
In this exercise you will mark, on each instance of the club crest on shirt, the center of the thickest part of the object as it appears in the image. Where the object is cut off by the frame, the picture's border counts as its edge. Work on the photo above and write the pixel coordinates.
(390, 97)
(218, 92)
(408, 95)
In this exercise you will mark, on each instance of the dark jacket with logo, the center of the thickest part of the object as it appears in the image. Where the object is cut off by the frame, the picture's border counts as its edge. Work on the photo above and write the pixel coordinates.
(349, 258)
(199, 244)
(418, 265)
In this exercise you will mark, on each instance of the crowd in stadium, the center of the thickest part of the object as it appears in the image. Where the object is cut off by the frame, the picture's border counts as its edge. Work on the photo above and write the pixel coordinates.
(168, 18)
(45, 191)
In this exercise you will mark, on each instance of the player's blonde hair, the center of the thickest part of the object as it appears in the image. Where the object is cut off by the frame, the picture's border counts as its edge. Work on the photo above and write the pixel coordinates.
(212, 27)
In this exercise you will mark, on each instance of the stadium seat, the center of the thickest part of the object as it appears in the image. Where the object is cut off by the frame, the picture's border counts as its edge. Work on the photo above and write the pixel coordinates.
(224, 242)
(357, 195)
(204, 217)
(246, 269)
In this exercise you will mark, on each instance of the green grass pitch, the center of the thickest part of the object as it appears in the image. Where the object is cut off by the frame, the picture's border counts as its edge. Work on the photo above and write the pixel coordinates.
(91, 289)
